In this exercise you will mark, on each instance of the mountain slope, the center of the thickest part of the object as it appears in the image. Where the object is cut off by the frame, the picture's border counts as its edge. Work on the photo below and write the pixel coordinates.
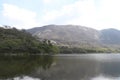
(74, 34)
(67, 33)
(110, 36)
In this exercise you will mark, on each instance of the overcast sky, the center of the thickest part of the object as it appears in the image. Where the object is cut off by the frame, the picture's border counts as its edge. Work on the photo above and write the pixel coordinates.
(98, 14)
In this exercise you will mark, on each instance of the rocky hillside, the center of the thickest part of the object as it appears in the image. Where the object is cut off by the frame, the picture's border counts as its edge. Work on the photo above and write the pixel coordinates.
(74, 34)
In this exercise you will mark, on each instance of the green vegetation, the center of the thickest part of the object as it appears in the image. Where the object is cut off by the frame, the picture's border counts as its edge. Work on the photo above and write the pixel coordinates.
(70, 50)
(14, 41)
(17, 41)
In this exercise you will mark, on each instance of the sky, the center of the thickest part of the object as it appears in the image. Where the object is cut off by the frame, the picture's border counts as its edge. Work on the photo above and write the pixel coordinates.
(25, 14)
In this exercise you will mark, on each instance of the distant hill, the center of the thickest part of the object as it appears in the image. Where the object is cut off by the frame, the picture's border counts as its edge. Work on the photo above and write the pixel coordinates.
(110, 36)
(75, 34)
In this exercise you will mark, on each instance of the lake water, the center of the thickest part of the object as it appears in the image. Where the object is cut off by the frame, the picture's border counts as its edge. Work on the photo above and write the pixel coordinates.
(61, 67)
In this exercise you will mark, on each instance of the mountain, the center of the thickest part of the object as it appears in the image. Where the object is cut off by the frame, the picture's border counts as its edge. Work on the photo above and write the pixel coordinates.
(77, 35)
(110, 36)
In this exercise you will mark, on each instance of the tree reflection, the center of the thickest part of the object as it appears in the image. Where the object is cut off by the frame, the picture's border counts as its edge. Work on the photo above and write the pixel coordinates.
(12, 66)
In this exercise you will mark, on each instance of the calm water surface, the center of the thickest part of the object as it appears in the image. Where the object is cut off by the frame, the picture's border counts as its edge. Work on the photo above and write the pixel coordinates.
(61, 67)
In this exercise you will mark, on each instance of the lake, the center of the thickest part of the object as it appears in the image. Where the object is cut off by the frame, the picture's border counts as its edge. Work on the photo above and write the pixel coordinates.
(61, 67)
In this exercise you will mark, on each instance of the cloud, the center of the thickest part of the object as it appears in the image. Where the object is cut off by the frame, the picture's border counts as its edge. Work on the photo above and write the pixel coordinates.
(98, 15)
(47, 1)
(53, 15)
(109, 14)
(51, 1)
(84, 13)
(16, 14)
(79, 13)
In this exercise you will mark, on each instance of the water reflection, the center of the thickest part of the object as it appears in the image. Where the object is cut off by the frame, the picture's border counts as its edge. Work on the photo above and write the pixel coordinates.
(71, 68)
(100, 77)
(13, 66)
(25, 78)
(83, 67)
(80, 67)
(111, 69)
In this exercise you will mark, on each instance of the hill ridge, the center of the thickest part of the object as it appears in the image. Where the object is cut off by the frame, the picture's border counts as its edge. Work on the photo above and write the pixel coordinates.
(77, 34)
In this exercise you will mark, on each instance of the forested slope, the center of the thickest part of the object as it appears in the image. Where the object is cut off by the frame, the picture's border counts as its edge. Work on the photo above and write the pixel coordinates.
(17, 41)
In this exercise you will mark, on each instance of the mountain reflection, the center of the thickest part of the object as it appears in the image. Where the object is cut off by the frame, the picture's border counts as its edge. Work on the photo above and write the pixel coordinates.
(13, 66)
(83, 67)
